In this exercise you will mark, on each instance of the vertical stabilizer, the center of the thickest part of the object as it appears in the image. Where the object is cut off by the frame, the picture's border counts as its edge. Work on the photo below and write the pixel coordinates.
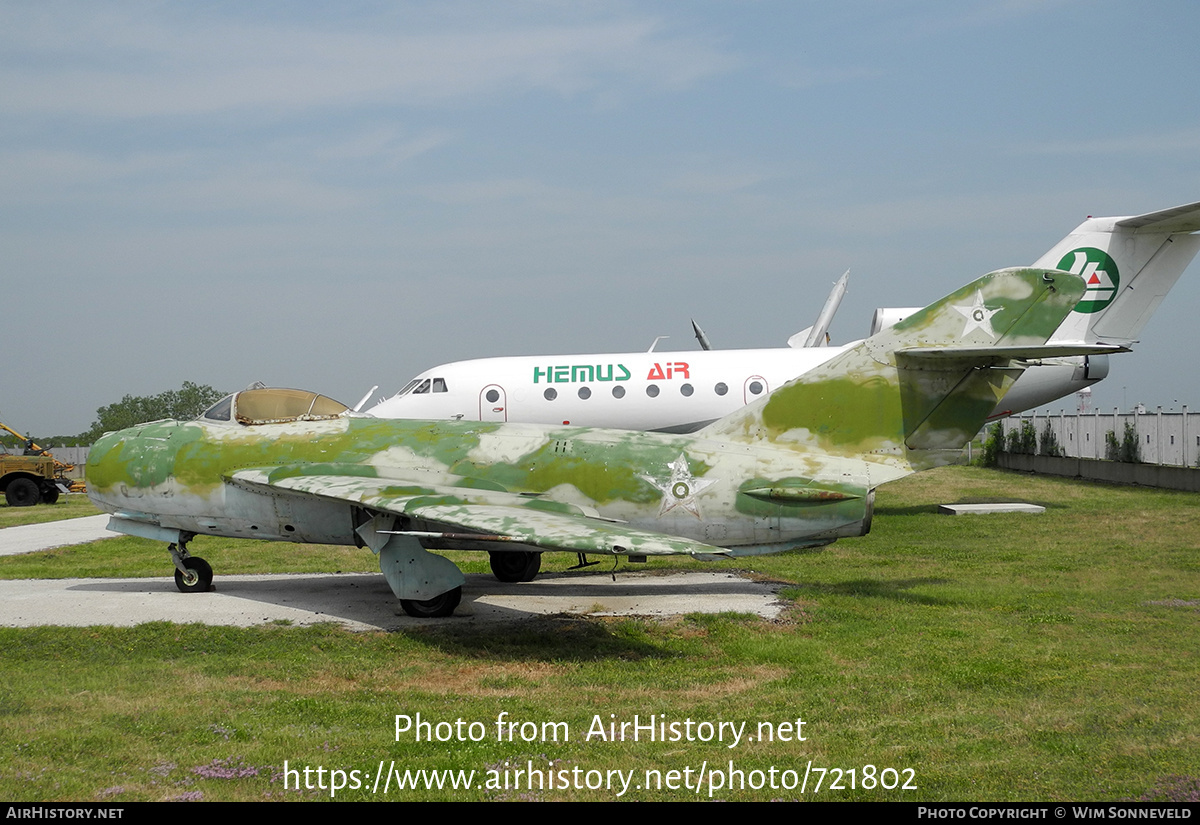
(1129, 264)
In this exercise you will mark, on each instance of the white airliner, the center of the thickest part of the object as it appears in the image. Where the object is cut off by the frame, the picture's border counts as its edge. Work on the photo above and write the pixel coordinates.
(1130, 263)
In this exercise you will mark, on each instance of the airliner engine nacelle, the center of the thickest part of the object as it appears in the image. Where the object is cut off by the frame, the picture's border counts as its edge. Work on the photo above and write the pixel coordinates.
(1093, 368)
(888, 317)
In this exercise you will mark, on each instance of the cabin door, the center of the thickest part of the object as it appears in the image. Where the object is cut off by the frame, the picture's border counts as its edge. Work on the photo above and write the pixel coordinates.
(493, 403)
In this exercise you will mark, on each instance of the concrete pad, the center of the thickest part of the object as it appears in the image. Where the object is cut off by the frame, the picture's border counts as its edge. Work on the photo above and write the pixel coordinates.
(632, 594)
(30, 538)
(363, 601)
(979, 509)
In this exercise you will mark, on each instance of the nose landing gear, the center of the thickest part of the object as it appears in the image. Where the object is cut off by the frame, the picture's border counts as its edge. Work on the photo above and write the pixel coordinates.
(192, 573)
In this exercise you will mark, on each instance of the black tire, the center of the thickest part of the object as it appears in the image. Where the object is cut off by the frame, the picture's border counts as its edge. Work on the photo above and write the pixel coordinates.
(50, 495)
(22, 492)
(519, 566)
(435, 608)
(200, 580)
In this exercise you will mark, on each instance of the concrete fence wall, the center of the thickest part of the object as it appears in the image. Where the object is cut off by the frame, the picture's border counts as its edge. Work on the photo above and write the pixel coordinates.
(1115, 472)
(1164, 438)
(72, 455)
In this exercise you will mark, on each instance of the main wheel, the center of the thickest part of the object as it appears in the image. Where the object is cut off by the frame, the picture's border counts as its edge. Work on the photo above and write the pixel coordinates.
(434, 608)
(519, 566)
(50, 495)
(22, 492)
(198, 578)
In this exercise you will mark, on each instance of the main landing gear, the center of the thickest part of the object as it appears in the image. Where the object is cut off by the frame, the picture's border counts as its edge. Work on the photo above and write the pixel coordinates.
(427, 585)
(436, 608)
(192, 573)
(515, 565)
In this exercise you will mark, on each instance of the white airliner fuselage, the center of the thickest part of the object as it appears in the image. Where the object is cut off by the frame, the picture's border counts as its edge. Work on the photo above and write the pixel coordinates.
(669, 391)
(664, 391)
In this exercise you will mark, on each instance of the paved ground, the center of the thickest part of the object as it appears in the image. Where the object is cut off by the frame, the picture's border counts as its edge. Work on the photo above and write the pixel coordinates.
(362, 601)
(30, 538)
(358, 600)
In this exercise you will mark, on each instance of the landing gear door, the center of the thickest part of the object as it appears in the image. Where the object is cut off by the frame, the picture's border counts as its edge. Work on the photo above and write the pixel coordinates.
(493, 403)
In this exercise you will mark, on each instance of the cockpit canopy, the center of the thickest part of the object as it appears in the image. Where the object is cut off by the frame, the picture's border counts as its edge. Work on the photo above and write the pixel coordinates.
(274, 405)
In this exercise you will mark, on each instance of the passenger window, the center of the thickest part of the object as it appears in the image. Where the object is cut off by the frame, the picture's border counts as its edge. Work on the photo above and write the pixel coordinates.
(585, 393)
(550, 394)
(756, 387)
(492, 396)
(618, 392)
(721, 389)
(652, 390)
(687, 390)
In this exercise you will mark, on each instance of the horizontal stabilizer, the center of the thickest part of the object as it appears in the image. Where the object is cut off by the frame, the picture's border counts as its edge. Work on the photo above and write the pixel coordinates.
(988, 356)
(1184, 218)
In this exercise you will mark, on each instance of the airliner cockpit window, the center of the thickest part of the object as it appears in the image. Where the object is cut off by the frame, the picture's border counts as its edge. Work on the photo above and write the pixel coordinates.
(439, 385)
(408, 387)
(422, 388)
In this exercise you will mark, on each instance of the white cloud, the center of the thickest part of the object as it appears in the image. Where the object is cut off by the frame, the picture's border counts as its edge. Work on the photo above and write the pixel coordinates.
(162, 183)
(142, 61)
(486, 191)
(391, 145)
(1166, 142)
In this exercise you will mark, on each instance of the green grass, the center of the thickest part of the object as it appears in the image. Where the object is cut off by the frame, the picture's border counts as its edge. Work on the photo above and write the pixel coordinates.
(71, 505)
(1003, 657)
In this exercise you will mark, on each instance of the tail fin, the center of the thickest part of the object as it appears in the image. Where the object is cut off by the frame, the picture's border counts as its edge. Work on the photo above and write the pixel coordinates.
(1129, 265)
(914, 394)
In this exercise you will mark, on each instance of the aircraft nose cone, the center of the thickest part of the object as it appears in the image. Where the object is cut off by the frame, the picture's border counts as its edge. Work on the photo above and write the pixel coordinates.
(102, 464)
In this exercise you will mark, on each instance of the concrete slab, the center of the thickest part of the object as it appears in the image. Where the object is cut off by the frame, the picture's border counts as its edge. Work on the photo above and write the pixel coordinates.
(363, 601)
(30, 538)
(978, 509)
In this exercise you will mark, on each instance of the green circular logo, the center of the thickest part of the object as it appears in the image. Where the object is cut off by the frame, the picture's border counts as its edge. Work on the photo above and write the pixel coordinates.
(1099, 272)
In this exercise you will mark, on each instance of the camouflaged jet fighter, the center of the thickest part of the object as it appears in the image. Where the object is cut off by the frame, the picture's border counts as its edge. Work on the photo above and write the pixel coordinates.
(797, 468)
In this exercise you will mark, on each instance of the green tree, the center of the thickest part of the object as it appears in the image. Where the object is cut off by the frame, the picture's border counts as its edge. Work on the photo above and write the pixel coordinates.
(994, 445)
(1131, 448)
(1021, 441)
(1048, 445)
(1127, 448)
(1112, 448)
(1028, 438)
(184, 403)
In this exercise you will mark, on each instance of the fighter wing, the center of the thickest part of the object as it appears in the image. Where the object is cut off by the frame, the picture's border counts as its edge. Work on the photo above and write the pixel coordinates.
(465, 514)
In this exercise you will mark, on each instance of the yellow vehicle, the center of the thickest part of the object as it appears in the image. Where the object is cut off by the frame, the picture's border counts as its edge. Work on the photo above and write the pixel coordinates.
(36, 476)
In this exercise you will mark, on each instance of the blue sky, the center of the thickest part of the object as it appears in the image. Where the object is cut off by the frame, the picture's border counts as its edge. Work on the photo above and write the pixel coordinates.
(339, 196)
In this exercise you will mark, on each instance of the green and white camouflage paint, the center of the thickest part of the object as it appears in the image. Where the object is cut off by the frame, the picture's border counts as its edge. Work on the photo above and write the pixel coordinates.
(797, 468)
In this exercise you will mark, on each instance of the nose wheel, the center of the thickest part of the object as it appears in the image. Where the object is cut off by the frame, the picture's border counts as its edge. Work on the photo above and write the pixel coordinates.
(192, 573)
